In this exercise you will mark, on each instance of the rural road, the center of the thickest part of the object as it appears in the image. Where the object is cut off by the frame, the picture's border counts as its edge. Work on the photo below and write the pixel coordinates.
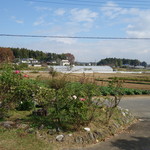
(137, 137)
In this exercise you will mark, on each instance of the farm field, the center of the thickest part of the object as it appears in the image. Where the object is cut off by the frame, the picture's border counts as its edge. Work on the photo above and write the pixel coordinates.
(103, 78)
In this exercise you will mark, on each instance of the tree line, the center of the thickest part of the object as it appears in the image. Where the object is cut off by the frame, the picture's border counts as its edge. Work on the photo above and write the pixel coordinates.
(21, 53)
(118, 62)
(9, 54)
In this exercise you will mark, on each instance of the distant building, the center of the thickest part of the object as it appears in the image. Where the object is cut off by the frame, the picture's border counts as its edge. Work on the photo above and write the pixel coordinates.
(29, 61)
(85, 64)
(51, 62)
(128, 66)
(64, 63)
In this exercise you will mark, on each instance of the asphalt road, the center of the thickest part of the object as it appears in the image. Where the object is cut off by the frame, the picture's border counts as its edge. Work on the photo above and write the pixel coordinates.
(138, 105)
(137, 137)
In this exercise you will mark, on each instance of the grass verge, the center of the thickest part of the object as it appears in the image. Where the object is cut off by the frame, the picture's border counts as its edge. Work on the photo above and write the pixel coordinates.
(16, 139)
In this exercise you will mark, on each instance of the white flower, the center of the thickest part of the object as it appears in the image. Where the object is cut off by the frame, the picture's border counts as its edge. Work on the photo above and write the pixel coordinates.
(74, 96)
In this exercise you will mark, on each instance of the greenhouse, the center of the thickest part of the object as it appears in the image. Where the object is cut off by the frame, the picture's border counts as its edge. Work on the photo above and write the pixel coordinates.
(83, 69)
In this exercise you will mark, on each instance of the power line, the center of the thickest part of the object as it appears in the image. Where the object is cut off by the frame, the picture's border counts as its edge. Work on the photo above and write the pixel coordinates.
(107, 1)
(96, 2)
(116, 1)
(133, 4)
(93, 4)
(73, 37)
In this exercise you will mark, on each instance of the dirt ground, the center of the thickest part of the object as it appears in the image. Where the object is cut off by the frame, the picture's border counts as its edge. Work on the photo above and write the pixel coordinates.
(104, 76)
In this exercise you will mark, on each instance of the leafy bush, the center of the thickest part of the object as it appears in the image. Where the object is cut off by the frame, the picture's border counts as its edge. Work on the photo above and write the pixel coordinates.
(68, 107)
(72, 107)
(105, 91)
(138, 92)
(24, 93)
(128, 91)
(16, 90)
(44, 97)
(145, 92)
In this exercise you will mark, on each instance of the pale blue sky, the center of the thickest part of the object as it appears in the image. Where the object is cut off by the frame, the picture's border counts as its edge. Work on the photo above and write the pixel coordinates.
(114, 18)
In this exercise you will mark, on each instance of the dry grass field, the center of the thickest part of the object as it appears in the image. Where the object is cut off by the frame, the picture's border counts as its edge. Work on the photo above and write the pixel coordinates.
(104, 77)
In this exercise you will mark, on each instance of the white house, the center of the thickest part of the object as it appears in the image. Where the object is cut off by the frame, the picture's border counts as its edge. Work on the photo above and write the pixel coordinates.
(64, 63)
(29, 61)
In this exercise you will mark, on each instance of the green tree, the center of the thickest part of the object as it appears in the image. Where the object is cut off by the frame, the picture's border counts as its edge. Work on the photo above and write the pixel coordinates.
(144, 64)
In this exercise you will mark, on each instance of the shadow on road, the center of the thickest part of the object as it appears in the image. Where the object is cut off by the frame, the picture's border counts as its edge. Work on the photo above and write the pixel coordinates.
(135, 143)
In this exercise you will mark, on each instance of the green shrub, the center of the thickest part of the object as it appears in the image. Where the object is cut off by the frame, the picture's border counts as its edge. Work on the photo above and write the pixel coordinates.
(72, 108)
(138, 92)
(16, 89)
(104, 91)
(129, 91)
(44, 97)
(24, 94)
(145, 92)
